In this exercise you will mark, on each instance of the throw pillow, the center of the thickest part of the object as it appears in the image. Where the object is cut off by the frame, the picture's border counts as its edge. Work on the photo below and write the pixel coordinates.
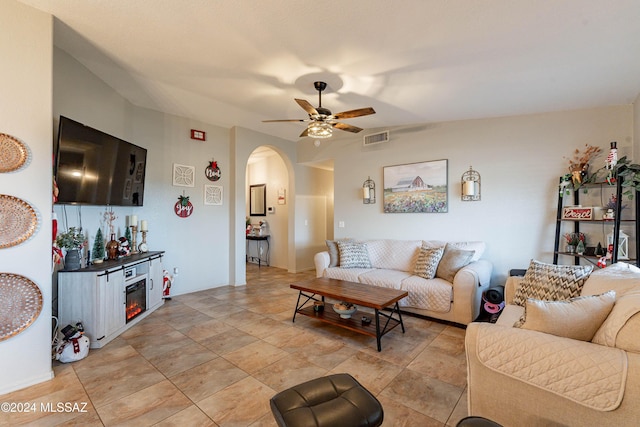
(353, 255)
(578, 318)
(334, 255)
(452, 260)
(428, 260)
(550, 282)
(622, 328)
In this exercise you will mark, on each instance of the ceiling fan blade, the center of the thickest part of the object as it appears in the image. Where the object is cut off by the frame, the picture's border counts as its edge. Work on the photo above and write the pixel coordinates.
(306, 106)
(304, 133)
(354, 113)
(348, 128)
(285, 120)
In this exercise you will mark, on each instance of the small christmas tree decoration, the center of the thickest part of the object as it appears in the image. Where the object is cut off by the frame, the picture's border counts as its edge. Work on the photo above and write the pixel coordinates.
(98, 248)
(127, 234)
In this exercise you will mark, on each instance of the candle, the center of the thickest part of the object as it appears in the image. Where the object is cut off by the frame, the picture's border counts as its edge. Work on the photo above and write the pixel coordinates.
(365, 192)
(133, 220)
(469, 188)
(143, 225)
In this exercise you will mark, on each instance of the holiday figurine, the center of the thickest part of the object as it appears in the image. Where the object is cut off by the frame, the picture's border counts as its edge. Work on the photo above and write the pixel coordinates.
(166, 284)
(124, 250)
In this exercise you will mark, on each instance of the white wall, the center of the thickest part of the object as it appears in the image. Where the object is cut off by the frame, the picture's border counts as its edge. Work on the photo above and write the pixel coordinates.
(25, 113)
(519, 159)
(197, 245)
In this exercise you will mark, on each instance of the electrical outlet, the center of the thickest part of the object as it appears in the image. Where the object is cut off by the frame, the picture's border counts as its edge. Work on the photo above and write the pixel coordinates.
(341, 224)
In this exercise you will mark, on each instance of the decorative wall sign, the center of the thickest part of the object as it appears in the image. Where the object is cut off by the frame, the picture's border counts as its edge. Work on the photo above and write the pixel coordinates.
(416, 187)
(212, 172)
(183, 175)
(198, 135)
(18, 221)
(21, 304)
(13, 153)
(213, 195)
(577, 213)
(282, 196)
(183, 207)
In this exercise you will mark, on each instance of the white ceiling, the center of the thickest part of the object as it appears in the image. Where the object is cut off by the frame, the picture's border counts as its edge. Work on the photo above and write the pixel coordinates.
(238, 62)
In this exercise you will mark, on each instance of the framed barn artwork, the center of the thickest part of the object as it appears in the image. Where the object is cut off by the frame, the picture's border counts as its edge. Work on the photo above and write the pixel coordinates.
(416, 187)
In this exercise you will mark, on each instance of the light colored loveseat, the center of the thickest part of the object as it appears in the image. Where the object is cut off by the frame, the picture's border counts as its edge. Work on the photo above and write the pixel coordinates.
(520, 377)
(392, 266)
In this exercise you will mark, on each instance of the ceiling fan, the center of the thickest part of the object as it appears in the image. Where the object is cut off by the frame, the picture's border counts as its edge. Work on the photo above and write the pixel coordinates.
(322, 121)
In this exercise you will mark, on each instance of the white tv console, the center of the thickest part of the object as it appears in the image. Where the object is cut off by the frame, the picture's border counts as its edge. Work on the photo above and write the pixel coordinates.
(97, 295)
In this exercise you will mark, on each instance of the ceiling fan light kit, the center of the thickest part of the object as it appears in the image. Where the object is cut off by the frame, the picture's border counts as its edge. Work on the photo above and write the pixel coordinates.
(322, 121)
(319, 130)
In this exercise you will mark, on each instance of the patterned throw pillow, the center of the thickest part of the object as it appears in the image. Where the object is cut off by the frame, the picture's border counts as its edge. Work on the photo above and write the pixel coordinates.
(353, 255)
(550, 282)
(332, 248)
(428, 260)
(453, 260)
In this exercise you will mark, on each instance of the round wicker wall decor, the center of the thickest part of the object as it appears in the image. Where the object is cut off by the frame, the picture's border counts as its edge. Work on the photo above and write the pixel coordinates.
(13, 153)
(18, 221)
(21, 304)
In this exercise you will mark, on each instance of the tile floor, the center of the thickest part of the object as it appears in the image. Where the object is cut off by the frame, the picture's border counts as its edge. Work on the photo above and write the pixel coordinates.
(215, 358)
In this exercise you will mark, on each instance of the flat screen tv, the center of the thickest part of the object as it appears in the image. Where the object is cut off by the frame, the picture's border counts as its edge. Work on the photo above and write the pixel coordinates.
(94, 168)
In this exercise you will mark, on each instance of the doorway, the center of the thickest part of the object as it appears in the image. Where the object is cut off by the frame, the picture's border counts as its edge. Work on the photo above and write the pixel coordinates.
(267, 171)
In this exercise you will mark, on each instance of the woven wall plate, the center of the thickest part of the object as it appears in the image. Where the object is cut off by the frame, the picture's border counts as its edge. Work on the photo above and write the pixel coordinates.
(13, 153)
(21, 304)
(18, 221)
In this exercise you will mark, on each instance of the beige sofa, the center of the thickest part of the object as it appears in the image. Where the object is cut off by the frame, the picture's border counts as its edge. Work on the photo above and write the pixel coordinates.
(392, 265)
(523, 377)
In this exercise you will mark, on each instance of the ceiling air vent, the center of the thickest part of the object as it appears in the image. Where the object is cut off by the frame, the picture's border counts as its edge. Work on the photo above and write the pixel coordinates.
(376, 138)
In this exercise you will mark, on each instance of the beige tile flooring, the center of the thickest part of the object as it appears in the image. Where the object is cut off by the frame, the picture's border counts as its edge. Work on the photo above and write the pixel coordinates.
(216, 357)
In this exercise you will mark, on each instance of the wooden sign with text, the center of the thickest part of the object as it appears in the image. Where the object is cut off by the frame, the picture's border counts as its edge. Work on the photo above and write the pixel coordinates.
(574, 213)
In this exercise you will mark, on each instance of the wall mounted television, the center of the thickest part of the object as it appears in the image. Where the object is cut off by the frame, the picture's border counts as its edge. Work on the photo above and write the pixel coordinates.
(95, 168)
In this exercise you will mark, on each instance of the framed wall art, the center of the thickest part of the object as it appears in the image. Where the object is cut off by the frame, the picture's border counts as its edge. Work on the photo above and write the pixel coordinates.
(416, 187)
(183, 175)
(213, 195)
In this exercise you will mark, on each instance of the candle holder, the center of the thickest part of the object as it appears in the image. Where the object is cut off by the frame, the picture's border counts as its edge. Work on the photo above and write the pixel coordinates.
(143, 246)
(134, 234)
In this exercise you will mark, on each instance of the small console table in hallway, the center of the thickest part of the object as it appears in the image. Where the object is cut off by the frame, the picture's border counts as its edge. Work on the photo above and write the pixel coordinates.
(262, 255)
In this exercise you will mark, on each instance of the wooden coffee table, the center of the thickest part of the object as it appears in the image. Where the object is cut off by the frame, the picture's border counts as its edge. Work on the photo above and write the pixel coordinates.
(356, 293)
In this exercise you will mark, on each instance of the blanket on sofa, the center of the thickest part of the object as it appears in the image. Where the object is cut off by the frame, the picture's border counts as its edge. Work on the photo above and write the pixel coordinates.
(591, 375)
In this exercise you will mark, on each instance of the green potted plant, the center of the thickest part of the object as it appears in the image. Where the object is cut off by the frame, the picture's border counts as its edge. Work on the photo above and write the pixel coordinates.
(72, 241)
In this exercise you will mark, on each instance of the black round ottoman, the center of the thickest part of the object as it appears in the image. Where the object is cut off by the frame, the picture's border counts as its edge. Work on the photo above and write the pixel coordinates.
(336, 400)
(476, 422)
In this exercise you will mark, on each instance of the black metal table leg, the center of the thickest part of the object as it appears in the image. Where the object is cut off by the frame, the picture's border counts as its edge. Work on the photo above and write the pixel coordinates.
(378, 330)
(296, 309)
(400, 317)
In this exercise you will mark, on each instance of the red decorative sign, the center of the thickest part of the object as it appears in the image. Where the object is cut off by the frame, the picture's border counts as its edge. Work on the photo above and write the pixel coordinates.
(198, 135)
(577, 213)
(212, 172)
(183, 207)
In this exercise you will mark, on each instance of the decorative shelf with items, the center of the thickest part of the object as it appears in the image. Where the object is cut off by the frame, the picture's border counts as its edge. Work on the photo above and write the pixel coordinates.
(581, 223)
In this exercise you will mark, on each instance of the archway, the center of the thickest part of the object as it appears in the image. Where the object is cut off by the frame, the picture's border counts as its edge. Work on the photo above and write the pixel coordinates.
(267, 166)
